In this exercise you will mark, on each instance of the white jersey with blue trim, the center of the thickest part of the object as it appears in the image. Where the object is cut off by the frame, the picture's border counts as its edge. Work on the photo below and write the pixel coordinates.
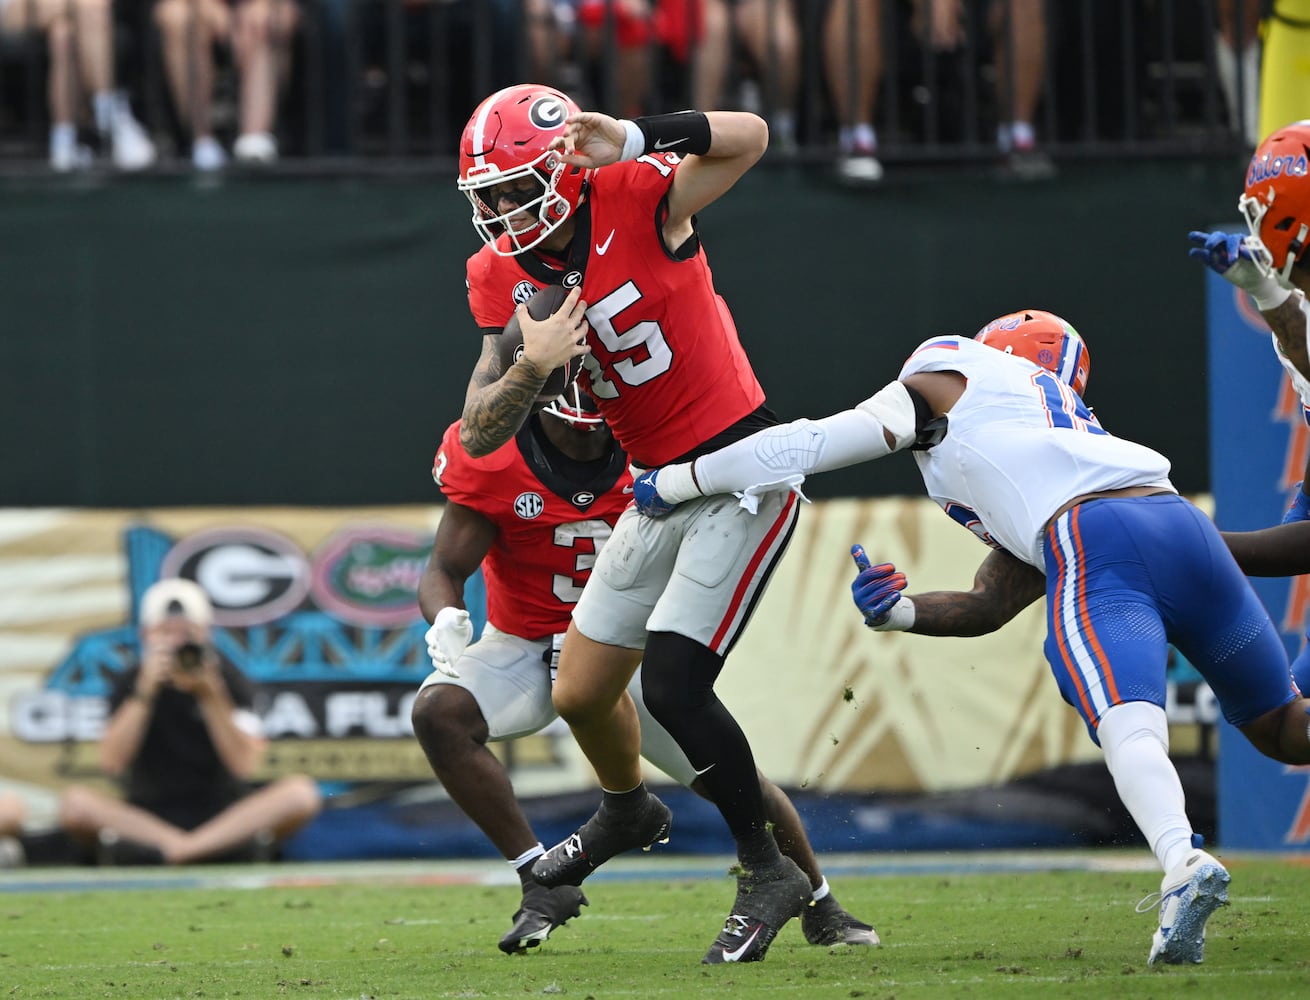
(1019, 445)
(1299, 382)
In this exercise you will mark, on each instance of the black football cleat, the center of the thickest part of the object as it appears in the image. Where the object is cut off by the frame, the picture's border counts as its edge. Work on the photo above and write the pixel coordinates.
(826, 923)
(540, 913)
(601, 838)
(767, 898)
(115, 850)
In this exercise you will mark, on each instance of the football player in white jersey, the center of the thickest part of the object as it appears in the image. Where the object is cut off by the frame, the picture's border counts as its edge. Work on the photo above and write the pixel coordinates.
(1007, 447)
(1272, 266)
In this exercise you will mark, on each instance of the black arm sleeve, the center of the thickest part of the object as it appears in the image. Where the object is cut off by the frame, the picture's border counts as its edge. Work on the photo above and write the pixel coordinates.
(928, 428)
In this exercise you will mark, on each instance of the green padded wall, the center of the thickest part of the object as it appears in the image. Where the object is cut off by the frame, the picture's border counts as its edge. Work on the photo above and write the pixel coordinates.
(306, 340)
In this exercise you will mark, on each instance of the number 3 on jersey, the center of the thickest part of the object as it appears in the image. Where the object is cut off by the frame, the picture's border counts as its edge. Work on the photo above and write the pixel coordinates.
(568, 587)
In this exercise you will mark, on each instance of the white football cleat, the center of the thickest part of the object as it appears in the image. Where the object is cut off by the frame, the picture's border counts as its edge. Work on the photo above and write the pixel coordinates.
(1188, 895)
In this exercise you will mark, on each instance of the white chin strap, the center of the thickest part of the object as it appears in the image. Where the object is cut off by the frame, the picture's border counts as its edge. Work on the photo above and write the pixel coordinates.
(571, 411)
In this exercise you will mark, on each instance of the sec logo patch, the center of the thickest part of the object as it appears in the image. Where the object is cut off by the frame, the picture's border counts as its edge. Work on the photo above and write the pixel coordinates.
(529, 505)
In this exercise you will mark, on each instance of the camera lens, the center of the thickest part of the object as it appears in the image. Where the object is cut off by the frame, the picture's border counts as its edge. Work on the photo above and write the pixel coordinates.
(188, 656)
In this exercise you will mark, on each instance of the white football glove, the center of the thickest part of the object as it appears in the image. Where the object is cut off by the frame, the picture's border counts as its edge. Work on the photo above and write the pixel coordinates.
(447, 639)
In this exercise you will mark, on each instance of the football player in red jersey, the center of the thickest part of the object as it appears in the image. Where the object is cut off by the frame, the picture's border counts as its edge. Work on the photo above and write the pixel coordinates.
(533, 514)
(607, 207)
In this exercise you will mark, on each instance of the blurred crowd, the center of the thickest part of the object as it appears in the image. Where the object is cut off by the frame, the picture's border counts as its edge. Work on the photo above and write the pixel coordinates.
(204, 84)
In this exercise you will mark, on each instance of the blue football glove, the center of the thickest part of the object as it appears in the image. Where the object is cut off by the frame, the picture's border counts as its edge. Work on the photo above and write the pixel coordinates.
(1219, 251)
(647, 495)
(1241, 261)
(876, 588)
(1299, 509)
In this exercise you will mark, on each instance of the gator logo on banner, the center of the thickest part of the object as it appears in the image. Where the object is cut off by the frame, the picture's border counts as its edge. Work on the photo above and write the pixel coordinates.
(369, 574)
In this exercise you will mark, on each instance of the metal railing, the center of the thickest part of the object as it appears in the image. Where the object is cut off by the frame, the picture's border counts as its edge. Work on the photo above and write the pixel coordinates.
(378, 85)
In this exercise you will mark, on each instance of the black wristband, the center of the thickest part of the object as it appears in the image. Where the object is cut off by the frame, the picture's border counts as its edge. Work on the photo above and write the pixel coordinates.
(681, 132)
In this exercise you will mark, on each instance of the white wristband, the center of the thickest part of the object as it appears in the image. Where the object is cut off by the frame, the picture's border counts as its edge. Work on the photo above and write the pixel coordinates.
(1270, 295)
(899, 619)
(634, 145)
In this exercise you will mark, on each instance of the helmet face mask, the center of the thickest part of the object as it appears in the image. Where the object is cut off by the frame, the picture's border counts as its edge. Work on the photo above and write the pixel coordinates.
(1044, 339)
(575, 408)
(505, 149)
(1276, 200)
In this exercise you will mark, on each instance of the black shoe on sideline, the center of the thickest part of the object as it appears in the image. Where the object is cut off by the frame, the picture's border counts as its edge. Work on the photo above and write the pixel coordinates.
(113, 850)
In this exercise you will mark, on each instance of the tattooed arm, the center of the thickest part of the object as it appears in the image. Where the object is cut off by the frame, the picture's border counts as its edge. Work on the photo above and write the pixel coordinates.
(497, 402)
(1002, 587)
(1288, 322)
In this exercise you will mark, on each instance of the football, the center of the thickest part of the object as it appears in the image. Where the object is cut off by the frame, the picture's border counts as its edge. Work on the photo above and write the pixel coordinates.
(544, 302)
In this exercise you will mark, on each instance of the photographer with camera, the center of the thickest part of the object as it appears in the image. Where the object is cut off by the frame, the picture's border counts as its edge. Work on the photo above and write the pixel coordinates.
(184, 741)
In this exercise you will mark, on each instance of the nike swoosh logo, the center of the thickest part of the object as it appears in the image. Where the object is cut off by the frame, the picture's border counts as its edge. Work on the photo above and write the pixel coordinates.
(736, 953)
(669, 145)
(628, 489)
(602, 247)
(705, 770)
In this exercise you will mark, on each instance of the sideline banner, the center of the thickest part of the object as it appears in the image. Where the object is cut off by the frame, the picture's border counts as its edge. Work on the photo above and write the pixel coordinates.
(317, 606)
(1258, 443)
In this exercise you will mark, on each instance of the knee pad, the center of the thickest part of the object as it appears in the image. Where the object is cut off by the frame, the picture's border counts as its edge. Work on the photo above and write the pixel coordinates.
(677, 677)
(1129, 721)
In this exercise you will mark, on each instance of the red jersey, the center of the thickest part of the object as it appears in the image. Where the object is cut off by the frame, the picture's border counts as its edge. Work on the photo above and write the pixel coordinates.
(548, 528)
(667, 368)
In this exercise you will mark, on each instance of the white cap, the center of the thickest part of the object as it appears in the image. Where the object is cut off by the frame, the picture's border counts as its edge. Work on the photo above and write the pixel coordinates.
(175, 598)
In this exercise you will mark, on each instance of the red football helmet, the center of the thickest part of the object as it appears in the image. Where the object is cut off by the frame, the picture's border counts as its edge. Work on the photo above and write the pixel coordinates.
(508, 140)
(1276, 203)
(576, 408)
(1043, 338)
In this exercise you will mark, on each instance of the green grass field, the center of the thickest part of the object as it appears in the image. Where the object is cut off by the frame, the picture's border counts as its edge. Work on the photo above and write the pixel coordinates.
(416, 931)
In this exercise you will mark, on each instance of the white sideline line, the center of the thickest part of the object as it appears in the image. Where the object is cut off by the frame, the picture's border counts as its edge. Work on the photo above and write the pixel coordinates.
(492, 872)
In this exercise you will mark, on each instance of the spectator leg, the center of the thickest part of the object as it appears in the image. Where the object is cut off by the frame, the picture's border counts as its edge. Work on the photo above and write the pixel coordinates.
(84, 813)
(853, 56)
(262, 41)
(281, 809)
(1020, 35)
(710, 61)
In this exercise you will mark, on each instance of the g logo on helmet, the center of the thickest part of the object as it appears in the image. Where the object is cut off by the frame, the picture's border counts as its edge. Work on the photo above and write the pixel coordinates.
(547, 113)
